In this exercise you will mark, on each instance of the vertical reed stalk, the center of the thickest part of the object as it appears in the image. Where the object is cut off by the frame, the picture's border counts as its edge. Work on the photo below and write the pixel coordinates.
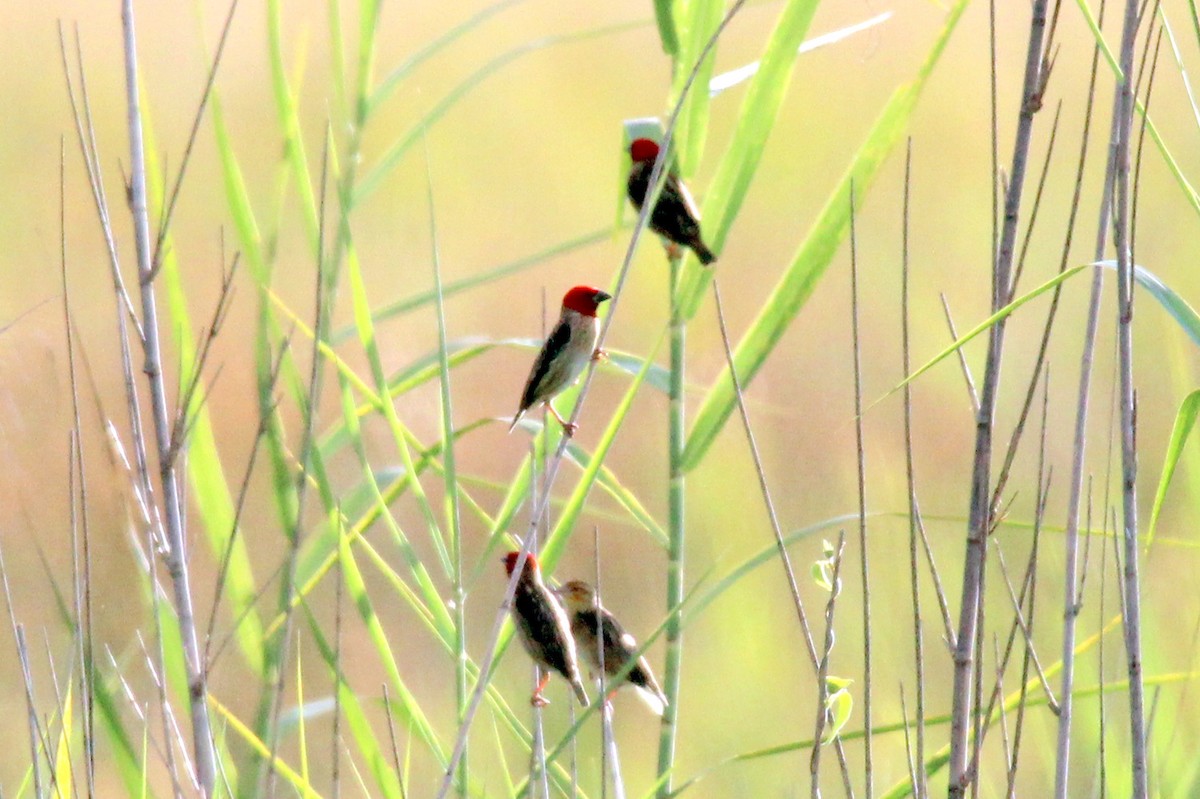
(175, 554)
(1122, 234)
(980, 514)
(676, 532)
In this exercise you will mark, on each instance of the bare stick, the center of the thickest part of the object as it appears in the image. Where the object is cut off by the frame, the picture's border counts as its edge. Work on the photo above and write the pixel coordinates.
(920, 789)
(860, 452)
(176, 555)
(1123, 241)
(962, 356)
(169, 210)
(814, 761)
(80, 546)
(1072, 582)
(980, 515)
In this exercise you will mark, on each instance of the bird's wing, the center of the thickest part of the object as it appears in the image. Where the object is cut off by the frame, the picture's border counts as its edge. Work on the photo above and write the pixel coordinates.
(544, 374)
(685, 194)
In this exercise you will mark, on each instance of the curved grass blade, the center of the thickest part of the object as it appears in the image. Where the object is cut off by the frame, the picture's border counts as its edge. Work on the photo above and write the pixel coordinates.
(1185, 420)
(400, 433)
(461, 285)
(254, 742)
(1172, 303)
(664, 17)
(813, 257)
(700, 19)
(392, 80)
(411, 711)
(373, 179)
(727, 80)
(557, 540)
(983, 327)
(1189, 193)
(760, 108)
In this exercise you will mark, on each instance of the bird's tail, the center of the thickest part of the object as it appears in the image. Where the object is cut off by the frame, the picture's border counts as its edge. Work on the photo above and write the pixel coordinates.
(516, 419)
(652, 699)
(704, 254)
(580, 691)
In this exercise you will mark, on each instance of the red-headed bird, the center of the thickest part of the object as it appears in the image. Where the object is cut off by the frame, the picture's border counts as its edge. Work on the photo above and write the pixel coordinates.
(587, 617)
(543, 628)
(569, 347)
(675, 215)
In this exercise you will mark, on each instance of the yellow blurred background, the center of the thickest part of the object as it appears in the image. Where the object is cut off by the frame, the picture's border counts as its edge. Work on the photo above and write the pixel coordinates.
(530, 158)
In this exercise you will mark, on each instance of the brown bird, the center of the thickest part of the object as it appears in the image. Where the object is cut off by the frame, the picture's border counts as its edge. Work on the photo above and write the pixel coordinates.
(567, 350)
(675, 216)
(543, 628)
(587, 616)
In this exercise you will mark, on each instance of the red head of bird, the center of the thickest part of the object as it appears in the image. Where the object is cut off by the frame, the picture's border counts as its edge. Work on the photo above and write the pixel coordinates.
(510, 562)
(585, 299)
(642, 150)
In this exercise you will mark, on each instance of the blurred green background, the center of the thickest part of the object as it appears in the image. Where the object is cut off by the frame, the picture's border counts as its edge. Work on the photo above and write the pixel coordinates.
(529, 158)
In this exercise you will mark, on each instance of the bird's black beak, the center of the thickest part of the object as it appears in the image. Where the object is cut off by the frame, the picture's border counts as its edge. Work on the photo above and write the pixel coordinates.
(603, 296)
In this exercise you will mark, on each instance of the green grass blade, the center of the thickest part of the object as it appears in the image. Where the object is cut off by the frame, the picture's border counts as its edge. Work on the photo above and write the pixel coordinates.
(392, 80)
(760, 108)
(1185, 420)
(400, 434)
(483, 278)
(410, 709)
(727, 80)
(814, 255)
(1172, 303)
(431, 602)
(1176, 171)
(556, 542)
(289, 121)
(983, 327)
(698, 23)
(262, 750)
(373, 179)
(664, 16)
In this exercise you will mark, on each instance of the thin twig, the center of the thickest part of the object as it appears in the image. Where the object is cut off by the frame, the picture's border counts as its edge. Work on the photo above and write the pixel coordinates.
(1123, 241)
(387, 709)
(860, 457)
(322, 312)
(814, 760)
(920, 787)
(169, 210)
(962, 356)
(176, 555)
(1072, 582)
(81, 554)
(980, 516)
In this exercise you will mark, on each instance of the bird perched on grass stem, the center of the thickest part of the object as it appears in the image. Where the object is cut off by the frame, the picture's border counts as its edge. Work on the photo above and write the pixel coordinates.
(569, 347)
(587, 617)
(675, 216)
(543, 628)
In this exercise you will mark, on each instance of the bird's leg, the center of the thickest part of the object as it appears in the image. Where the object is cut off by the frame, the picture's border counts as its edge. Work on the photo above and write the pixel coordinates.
(569, 428)
(674, 251)
(537, 700)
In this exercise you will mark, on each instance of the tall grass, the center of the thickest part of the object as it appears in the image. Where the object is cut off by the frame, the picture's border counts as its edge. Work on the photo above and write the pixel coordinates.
(248, 675)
